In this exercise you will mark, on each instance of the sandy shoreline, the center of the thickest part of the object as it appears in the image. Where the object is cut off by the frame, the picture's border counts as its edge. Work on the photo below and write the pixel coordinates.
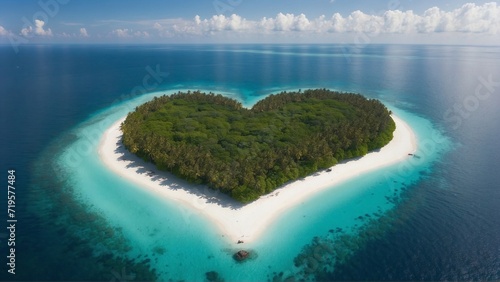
(248, 222)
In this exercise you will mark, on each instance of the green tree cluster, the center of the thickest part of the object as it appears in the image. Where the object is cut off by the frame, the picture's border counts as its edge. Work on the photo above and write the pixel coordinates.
(245, 153)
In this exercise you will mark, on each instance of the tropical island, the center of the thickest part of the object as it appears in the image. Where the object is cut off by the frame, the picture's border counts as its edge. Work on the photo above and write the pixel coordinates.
(246, 153)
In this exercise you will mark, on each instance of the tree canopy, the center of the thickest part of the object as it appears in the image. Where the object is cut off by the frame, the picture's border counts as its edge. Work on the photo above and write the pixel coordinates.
(245, 153)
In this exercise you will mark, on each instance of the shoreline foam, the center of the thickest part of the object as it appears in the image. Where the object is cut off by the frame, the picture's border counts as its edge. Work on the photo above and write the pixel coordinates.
(248, 222)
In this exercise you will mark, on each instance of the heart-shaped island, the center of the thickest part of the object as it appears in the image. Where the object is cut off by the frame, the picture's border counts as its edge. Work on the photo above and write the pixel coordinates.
(245, 153)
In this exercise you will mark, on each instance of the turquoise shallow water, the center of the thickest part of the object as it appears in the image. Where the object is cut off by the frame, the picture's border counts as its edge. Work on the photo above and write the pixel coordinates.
(180, 242)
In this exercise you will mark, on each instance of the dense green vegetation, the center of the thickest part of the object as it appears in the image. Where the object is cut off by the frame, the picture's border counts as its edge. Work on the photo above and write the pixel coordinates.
(212, 139)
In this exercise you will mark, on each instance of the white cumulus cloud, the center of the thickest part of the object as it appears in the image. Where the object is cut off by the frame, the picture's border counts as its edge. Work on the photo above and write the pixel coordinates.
(3, 31)
(285, 22)
(121, 33)
(129, 33)
(83, 32)
(143, 34)
(220, 23)
(38, 30)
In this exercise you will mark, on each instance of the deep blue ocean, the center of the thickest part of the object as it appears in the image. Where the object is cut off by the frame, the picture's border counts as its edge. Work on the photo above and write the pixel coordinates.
(436, 218)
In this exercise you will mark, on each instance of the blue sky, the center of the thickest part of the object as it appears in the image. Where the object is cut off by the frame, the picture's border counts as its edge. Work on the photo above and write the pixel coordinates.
(244, 21)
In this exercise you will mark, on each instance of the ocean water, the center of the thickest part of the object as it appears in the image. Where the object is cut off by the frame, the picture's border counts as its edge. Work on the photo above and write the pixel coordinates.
(428, 218)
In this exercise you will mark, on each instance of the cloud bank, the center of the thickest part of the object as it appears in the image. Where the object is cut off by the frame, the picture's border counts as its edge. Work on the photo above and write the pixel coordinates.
(471, 22)
(470, 18)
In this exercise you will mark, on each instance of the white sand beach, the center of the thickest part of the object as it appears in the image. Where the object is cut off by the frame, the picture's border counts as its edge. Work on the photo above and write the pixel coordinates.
(247, 223)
